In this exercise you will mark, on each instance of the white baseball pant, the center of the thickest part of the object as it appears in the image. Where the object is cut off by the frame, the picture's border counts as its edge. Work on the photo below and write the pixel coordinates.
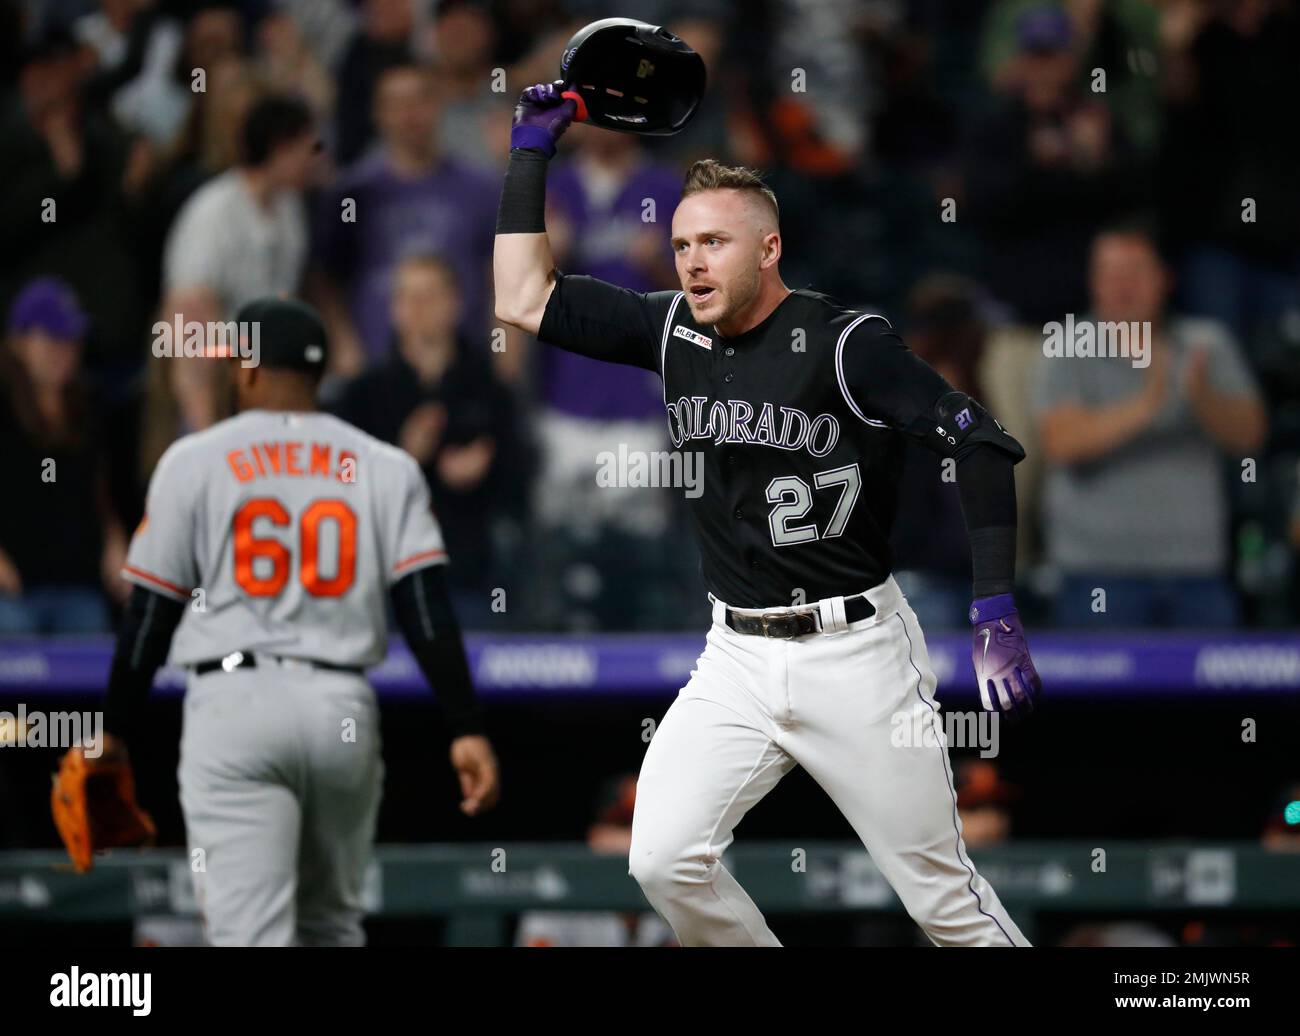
(753, 709)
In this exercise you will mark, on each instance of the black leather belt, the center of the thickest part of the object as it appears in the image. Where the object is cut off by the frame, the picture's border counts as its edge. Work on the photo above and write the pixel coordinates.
(248, 660)
(786, 624)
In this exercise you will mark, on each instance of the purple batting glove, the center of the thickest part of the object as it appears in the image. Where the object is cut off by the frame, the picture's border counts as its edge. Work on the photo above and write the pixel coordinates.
(541, 117)
(1008, 682)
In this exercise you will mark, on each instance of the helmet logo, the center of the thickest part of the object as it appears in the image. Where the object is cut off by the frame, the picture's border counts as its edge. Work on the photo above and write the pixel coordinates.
(644, 69)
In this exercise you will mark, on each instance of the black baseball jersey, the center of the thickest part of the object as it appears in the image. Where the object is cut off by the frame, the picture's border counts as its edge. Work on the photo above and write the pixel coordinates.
(799, 421)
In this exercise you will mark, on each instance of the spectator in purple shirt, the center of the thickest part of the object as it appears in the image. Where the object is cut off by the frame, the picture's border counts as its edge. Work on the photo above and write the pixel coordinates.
(404, 197)
(601, 205)
(610, 214)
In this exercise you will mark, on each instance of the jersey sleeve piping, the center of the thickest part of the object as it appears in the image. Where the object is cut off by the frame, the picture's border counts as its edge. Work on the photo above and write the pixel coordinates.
(839, 370)
(156, 583)
(663, 344)
(420, 560)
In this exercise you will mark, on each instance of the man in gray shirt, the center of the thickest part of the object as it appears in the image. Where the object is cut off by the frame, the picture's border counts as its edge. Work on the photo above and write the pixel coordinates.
(243, 234)
(1135, 508)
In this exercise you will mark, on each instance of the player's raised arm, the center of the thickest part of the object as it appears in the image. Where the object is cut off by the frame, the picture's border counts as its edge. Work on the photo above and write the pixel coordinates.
(581, 314)
(522, 265)
(884, 380)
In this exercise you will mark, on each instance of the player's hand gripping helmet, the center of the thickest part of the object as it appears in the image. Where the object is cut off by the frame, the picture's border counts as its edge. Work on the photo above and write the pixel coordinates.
(629, 76)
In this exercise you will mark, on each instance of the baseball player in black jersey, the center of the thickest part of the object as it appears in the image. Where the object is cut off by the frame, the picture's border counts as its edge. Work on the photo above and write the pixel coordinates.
(799, 407)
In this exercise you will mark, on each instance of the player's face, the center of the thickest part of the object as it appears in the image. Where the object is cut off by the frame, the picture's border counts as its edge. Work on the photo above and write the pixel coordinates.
(719, 245)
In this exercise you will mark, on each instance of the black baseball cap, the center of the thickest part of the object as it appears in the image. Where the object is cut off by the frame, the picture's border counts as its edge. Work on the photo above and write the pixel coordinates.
(289, 333)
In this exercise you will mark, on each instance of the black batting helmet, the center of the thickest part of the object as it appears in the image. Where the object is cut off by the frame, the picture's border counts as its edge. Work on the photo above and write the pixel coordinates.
(633, 77)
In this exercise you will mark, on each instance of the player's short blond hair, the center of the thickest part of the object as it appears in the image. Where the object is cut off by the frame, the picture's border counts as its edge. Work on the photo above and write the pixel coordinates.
(708, 174)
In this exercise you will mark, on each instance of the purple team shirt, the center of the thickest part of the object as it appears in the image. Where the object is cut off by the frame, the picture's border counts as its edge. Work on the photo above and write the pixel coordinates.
(577, 385)
(451, 211)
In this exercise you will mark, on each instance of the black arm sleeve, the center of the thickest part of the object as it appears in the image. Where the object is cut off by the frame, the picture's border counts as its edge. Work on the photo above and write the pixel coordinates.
(427, 621)
(522, 209)
(142, 645)
(987, 485)
(601, 320)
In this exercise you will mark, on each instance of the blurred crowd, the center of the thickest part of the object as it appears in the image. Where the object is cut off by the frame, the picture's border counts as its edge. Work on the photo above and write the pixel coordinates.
(975, 171)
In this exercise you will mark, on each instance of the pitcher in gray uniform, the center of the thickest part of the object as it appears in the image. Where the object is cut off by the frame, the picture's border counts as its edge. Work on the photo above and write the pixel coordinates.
(269, 547)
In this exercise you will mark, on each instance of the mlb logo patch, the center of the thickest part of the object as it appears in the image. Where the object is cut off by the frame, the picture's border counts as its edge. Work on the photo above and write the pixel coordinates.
(693, 336)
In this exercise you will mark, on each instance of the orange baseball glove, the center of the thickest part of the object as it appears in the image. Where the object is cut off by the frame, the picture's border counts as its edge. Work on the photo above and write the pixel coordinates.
(94, 806)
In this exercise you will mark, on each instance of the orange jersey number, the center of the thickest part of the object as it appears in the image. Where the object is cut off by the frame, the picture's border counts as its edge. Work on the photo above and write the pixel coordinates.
(248, 548)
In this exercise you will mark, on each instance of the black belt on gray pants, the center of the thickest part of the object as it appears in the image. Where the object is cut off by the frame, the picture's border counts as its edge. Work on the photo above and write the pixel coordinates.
(248, 660)
(787, 624)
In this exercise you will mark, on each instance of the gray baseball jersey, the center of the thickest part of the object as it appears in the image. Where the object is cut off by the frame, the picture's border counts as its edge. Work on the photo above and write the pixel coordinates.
(292, 526)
